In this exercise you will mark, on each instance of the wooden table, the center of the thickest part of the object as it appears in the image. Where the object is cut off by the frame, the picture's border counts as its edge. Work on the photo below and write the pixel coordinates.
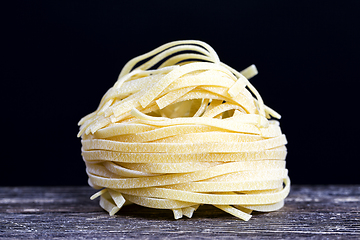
(66, 212)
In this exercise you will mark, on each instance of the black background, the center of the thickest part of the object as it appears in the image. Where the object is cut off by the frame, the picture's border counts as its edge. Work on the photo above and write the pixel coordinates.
(60, 57)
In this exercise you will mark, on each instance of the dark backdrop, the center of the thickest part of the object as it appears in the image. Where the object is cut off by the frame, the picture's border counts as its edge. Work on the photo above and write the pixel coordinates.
(60, 57)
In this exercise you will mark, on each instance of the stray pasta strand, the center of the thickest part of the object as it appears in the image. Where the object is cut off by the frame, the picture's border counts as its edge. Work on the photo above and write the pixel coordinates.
(179, 129)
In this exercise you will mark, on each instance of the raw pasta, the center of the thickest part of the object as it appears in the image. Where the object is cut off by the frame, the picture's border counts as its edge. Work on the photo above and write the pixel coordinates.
(179, 129)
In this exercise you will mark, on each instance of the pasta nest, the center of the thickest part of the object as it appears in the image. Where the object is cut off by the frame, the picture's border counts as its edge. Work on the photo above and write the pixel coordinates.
(179, 129)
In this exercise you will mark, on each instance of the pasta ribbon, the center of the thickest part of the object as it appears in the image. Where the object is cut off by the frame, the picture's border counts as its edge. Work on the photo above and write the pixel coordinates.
(179, 129)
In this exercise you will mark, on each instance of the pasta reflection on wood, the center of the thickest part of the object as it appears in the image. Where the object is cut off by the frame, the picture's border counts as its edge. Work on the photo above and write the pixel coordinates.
(179, 128)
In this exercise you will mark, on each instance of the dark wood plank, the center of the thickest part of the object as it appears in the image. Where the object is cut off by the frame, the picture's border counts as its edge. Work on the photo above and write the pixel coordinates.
(66, 212)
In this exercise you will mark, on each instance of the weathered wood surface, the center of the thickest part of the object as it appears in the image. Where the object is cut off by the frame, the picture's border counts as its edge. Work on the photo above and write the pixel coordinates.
(66, 212)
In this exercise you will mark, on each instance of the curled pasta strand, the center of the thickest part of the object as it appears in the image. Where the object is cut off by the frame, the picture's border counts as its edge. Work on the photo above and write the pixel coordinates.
(128, 66)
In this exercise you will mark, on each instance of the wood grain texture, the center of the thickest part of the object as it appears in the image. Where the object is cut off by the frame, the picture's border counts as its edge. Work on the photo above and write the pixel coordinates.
(67, 212)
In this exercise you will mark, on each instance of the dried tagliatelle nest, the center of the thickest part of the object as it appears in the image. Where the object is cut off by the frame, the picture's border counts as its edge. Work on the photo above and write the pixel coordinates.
(180, 129)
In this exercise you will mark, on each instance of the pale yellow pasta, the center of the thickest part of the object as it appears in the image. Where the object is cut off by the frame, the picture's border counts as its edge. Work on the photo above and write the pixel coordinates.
(104, 155)
(179, 129)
